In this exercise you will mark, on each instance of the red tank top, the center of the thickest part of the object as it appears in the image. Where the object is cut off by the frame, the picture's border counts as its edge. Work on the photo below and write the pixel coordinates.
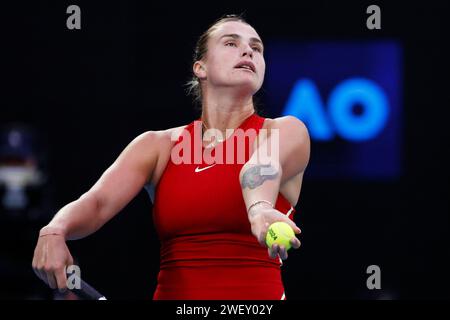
(207, 248)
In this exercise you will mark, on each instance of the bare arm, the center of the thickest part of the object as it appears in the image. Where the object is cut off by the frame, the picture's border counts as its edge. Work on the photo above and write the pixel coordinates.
(282, 155)
(118, 185)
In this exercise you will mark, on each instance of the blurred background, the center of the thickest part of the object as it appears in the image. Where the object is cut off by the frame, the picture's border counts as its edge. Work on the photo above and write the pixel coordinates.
(376, 191)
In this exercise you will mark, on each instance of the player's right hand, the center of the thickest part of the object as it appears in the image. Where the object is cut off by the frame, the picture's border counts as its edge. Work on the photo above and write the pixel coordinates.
(51, 257)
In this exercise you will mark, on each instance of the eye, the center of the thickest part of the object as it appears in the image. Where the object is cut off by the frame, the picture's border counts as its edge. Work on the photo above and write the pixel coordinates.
(257, 49)
(231, 43)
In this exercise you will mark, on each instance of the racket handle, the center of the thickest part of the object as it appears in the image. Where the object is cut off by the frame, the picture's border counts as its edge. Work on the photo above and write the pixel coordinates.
(87, 292)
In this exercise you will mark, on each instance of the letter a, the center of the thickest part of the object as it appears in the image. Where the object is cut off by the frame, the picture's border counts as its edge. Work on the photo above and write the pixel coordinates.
(74, 279)
(374, 21)
(74, 20)
(374, 281)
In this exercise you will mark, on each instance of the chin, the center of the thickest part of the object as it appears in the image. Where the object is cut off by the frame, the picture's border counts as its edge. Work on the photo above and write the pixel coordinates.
(246, 88)
(247, 84)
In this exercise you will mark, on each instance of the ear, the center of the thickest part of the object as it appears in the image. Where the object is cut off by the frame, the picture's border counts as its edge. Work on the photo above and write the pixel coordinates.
(199, 70)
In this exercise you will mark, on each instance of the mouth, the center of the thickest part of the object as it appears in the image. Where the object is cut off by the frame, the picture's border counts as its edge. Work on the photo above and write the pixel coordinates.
(246, 65)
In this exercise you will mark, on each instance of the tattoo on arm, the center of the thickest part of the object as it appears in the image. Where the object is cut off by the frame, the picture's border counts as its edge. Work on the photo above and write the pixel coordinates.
(255, 176)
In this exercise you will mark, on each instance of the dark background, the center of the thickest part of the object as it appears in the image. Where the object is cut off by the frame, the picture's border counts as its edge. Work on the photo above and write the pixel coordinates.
(89, 92)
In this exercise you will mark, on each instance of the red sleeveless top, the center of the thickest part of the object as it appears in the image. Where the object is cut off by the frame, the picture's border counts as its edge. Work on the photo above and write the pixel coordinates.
(207, 248)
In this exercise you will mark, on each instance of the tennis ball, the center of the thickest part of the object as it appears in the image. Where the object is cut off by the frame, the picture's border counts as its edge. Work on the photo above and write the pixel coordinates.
(280, 233)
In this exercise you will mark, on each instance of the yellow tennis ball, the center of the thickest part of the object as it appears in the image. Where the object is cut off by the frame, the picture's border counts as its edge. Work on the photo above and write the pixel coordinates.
(280, 233)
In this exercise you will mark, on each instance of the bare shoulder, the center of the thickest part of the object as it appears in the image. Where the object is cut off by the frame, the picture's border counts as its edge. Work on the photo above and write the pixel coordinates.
(288, 125)
(149, 148)
(157, 138)
(294, 143)
(162, 141)
(171, 134)
(142, 160)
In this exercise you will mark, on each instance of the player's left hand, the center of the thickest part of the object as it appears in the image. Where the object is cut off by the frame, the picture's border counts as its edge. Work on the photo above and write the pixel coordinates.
(261, 218)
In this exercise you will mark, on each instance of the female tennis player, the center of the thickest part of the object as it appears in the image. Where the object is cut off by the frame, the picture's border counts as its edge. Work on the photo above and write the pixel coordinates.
(213, 201)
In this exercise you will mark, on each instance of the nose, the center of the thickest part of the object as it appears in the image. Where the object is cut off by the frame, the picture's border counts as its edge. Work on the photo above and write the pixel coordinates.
(248, 51)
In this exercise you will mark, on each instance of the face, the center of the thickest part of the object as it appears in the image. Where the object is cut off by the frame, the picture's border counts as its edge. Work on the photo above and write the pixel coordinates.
(234, 58)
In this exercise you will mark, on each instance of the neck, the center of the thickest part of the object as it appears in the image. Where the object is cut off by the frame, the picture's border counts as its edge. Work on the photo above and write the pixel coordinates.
(223, 111)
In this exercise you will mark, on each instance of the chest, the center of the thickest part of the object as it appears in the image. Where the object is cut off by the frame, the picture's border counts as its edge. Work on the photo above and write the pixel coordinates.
(193, 198)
